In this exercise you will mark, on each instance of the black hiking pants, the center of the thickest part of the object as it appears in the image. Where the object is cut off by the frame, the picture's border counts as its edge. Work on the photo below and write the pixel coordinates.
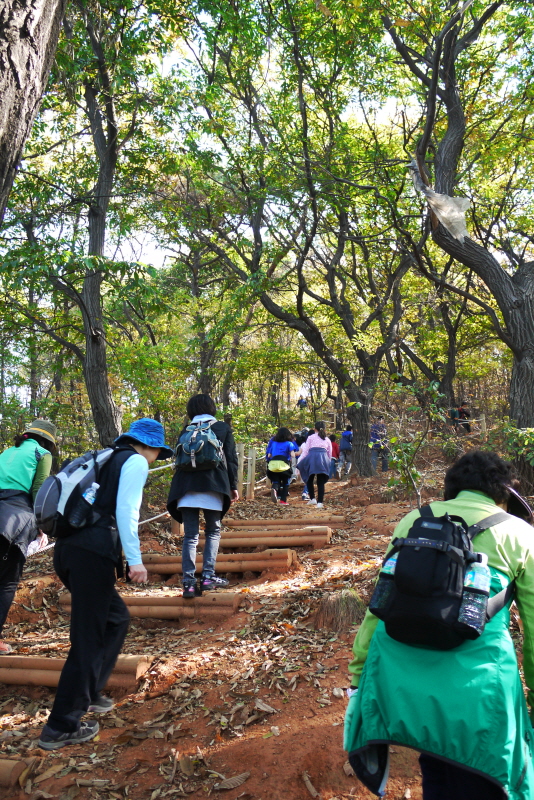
(321, 481)
(98, 625)
(11, 564)
(445, 781)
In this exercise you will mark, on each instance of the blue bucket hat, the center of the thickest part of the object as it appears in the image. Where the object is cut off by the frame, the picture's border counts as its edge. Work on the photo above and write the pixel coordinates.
(150, 433)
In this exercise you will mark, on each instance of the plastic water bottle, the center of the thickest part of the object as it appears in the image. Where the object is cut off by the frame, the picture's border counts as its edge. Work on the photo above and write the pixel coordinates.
(474, 603)
(79, 516)
(384, 585)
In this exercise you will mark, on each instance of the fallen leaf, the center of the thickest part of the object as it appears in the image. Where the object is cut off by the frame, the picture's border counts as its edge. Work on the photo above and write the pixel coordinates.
(186, 765)
(233, 783)
(309, 785)
(50, 772)
(264, 706)
(347, 769)
(337, 692)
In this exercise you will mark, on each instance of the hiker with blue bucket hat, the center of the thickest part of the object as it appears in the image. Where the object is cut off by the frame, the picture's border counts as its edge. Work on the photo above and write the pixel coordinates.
(87, 560)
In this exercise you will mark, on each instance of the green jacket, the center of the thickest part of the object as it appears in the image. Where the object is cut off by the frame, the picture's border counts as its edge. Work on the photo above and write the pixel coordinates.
(25, 468)
(465, 705)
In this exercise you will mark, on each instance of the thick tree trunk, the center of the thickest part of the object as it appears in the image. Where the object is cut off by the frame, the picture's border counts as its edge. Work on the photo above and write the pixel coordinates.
(106, 415)
(29, 33)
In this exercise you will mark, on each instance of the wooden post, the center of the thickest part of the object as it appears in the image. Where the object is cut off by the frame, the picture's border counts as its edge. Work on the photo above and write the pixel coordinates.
(177, 528)
(240, 447)
(251, 473)
(483, 428)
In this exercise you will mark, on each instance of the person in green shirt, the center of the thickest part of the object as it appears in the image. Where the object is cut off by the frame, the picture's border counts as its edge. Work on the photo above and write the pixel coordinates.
(464, 709)
(23, 470)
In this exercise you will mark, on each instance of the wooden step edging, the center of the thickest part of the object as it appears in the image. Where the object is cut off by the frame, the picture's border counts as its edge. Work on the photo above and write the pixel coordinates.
(278, 559)
(39, 671)
(12, 768)
(274, 541)
(212, 604)
(301, 522)
(311, 530)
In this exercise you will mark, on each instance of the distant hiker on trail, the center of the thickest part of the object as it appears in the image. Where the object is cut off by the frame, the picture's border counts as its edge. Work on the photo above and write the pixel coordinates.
(314, 461)
(213, 490)
(463, 416)
(86, 560)
(302, 403)
(335, 455)
(23, 469)
(379, 445)
(345, 451)
(278, 455)
(454, 417)
(462, 707)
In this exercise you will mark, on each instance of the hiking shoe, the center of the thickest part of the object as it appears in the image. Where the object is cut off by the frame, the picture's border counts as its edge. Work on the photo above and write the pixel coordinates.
(190, 590)
(320, 505)
(207, 584)
(284, 503)
(274, 493)
(52, 740)
(101, 705)
(311, 502)
(305, 496)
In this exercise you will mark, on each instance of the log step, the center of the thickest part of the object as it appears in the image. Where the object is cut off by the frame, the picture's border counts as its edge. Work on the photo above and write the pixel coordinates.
(38, 671)
(302, 522)
(211, 602)
(278, 559)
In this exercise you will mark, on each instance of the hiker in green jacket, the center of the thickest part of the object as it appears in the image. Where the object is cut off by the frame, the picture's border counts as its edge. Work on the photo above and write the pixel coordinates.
(464, 709)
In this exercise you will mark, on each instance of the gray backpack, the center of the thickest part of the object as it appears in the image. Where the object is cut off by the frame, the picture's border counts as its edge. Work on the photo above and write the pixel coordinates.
(60, 505)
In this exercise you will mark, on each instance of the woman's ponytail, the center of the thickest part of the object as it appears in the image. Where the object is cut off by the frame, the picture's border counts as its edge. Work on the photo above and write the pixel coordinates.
(319, 427)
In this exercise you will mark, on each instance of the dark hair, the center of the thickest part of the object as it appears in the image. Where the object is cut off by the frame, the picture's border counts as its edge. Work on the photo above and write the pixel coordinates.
(283, 435)
(348, 428)
(200, 404)
(319, 427)
(480, 471)
(332, 437)
(46, 443)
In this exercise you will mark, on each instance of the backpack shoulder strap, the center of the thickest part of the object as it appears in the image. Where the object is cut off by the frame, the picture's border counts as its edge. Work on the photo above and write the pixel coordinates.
(500, 600)
(488, 522)
(426, 511)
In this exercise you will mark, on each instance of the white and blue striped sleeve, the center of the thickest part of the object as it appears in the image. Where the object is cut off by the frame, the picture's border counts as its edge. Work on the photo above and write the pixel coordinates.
(132, 480)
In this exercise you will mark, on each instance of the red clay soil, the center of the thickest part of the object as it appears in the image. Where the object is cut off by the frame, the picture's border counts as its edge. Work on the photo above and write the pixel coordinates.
(250, 697)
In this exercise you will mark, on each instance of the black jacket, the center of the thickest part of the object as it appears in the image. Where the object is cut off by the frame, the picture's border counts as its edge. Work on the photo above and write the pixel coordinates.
(221, 479)
(17, 520)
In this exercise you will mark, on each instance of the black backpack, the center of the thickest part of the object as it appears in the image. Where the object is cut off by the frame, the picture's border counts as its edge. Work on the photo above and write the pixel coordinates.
(420, 602)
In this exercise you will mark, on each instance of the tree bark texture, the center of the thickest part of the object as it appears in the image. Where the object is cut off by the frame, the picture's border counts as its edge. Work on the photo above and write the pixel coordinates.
(29, 31)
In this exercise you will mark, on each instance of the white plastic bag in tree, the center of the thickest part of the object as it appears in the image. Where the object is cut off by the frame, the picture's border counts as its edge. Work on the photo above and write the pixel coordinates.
(449, 210)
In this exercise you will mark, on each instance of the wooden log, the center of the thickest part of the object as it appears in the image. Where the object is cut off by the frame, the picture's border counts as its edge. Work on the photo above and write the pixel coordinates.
(134, 666)
(301, 522)
(275, 541)
(275, 554)
(177, 528)
(240, 449)
(231, 600)
(50, 677)
(233, 562)
(10, 771)
(311, 530)
(177, 612)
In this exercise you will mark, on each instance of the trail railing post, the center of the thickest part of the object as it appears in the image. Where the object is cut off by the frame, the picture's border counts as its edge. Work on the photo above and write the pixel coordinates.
(251, 473)
(240, 447)
(483, 428)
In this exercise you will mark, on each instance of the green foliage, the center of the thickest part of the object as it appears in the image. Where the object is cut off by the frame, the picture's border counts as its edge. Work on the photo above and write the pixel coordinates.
(519, 442)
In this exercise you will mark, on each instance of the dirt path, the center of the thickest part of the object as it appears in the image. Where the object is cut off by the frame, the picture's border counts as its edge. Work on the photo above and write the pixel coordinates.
(255, 696)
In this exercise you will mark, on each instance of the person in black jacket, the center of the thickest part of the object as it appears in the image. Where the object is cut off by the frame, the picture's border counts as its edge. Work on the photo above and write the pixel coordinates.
(213, 491)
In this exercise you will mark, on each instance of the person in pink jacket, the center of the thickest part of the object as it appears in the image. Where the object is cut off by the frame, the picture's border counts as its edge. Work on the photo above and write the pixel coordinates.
(314, 462)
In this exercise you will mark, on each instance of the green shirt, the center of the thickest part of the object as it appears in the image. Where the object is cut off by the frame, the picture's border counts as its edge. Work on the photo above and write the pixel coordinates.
(25, 468)
(510, 549)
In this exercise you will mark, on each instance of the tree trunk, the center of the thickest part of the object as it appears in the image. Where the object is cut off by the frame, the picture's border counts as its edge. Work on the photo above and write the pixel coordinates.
(29, 34)
(106, 415)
